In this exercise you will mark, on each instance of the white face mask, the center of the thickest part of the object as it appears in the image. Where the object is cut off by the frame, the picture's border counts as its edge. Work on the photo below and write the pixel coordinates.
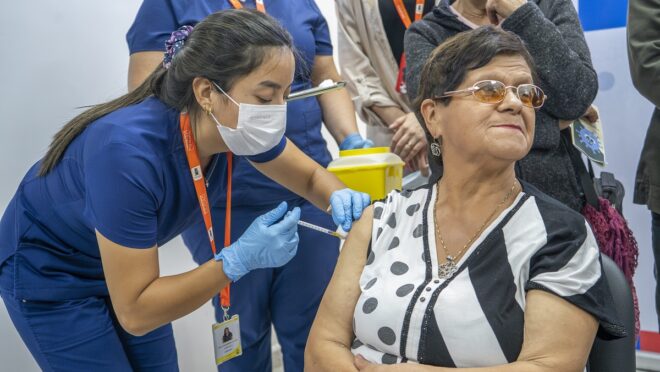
(259, 127)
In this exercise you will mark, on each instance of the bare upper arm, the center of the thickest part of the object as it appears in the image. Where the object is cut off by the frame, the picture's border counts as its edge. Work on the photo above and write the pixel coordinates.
(141, 65)
(558, 335)
(128, 271)
(335, 316)
(324, 68)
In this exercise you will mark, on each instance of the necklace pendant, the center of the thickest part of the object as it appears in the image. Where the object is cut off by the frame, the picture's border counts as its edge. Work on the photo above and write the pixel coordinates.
(447, 269)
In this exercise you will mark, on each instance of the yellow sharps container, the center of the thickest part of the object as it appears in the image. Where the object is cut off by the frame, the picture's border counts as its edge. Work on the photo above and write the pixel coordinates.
(375, 171)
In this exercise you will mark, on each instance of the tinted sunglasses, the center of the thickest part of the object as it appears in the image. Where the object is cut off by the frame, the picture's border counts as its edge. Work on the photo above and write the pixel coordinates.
(493, 91)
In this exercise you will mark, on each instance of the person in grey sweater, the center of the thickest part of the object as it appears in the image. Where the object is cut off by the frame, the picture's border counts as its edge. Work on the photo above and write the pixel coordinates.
(552, 32)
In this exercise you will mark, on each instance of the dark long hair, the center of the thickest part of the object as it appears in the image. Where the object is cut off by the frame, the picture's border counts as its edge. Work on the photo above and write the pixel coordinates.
(446, 67)
(223, 47)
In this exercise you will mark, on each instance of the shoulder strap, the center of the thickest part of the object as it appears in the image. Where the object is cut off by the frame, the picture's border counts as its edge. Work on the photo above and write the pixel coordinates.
(585, 177)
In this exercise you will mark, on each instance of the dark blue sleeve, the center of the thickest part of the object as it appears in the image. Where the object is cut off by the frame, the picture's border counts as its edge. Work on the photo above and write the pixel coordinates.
(124, 191)
(153, 24)
(321, 32)
(270, 154)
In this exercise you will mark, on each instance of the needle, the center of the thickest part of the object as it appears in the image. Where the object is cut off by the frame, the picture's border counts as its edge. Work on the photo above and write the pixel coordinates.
(321, 229)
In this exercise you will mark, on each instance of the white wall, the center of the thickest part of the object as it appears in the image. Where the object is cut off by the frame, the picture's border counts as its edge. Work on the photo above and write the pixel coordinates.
(56, 56)
(59, 55)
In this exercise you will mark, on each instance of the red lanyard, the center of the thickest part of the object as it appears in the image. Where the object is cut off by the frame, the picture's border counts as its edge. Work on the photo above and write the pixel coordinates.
(405, 18)
(260, 5)
(200, 188)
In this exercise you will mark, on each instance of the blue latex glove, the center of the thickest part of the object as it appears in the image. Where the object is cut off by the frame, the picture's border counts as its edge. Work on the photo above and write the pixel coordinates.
(355, 141)
(266, 243)
(347, 206)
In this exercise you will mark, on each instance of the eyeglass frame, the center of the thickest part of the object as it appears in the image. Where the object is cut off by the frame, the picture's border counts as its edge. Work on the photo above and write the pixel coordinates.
(471, 90)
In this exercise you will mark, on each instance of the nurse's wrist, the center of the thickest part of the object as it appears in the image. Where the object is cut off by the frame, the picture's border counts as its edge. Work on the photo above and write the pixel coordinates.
(218, 272)
(231, 264)
(354, 141)
(349, 140)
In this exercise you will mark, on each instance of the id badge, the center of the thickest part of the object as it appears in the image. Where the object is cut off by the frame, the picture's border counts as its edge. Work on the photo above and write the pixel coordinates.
(588, 138)
(227, 340)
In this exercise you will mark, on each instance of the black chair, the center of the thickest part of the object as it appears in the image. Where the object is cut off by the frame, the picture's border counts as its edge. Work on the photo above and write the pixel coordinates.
(616, 355)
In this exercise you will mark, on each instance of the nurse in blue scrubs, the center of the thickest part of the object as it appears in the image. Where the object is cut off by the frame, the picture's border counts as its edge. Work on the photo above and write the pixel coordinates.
(287, 297)
(79, 271)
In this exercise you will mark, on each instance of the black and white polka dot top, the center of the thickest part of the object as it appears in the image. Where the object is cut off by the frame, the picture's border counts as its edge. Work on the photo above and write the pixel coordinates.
(475, 318)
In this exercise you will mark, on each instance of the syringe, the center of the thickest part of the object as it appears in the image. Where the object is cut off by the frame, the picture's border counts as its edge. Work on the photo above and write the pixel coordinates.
(321, 229)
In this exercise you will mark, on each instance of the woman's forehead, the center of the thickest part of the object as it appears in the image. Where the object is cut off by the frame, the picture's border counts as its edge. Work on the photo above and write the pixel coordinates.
(277, 64)
(511, 69)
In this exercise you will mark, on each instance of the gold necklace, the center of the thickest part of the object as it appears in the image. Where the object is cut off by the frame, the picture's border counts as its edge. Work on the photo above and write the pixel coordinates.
(449, 268)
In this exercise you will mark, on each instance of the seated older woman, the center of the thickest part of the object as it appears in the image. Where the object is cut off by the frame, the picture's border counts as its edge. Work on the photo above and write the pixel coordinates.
(480, 269)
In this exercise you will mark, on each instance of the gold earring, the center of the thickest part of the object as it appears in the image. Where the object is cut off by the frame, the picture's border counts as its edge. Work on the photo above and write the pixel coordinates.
(208, 110)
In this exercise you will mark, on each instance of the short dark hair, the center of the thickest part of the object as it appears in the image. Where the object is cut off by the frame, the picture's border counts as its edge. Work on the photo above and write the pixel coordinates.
(446, 67)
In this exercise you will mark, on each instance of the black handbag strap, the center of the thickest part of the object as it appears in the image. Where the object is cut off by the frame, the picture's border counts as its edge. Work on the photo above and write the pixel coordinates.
(591, 168)
(586, 177)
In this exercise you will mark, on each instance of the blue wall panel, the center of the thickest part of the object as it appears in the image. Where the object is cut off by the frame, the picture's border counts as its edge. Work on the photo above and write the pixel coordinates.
(602, 14)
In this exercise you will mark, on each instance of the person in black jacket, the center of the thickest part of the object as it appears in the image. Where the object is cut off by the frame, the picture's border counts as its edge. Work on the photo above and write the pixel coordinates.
(551, 31)
(643, 52)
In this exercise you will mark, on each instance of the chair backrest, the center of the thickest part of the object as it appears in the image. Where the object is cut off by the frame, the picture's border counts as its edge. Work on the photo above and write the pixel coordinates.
(616, 355)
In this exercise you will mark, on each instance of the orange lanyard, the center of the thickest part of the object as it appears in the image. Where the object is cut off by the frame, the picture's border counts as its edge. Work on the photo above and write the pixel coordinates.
(405, 18)
(200, 188)
(403, 13)
(260, 5)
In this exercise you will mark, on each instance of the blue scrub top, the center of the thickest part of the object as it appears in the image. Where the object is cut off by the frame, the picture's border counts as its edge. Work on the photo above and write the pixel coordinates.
(127, 176)
(156, 20)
